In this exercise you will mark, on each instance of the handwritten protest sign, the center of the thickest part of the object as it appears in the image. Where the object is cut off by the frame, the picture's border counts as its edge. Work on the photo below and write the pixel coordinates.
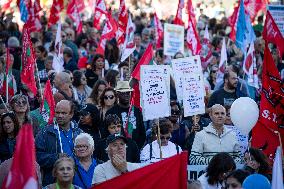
(155, 92)
(185, 66)
(277, 12)
(193, 95)
(173, 39)
(242, 139)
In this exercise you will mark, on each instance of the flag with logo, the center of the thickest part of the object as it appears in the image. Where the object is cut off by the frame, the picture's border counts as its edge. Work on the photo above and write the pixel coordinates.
(56, 8)
(272, 34)
(34, 17)
(192, 38)
(100, 10)
(22, 173)
(159, 31)
(108, 33)
(249, 67)
(47, 108)
(123, 21)
(129, 45)
(271, 117)
(28, 62)
(169, 173)
(206, 49)
(58, 61)
(146, 59)
(178, 17)
(223, 62)
(73, 13)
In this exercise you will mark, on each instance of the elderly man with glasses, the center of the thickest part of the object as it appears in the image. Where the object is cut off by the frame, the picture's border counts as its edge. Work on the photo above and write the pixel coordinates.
(151, 152)
(84, 162)
(117, 165)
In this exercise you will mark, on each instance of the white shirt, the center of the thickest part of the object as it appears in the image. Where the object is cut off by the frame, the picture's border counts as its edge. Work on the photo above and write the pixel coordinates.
(107, 171)
(206, 185)
(167, 151)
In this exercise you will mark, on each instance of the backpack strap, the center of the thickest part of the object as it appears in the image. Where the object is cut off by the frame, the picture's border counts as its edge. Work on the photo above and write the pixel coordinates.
(151, 151)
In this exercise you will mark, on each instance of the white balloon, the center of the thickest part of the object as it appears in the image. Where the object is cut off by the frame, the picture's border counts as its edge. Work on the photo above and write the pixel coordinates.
(244, 114)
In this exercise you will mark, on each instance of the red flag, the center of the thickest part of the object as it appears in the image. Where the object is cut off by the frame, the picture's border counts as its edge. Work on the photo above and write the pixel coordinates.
(145, 59)
(190, 12)
(6, 6)
(232, 21)
(122, 23)
(178, 18)
(109, 31)
(254, 6)
(192, 38)
(100, 9)
(57, 7)
(47, 108)
(272, 34)
(73, 13)
(169, 173)
(28, 62)
(159, 31)
(271, 116)
(23, 172)
(34, 17)
(80, 5)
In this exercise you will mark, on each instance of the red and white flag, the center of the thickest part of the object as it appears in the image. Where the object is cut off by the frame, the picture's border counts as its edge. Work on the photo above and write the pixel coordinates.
(34, 16)
(190, 11)
(109, 32)
(122, 23)
(58, 61)
(28, 62)
(178, 18)
(57, 7)
(255, 6)
(223, 62)
(192, 38)
(159, 31)
(249, 67)
(100, 10)
(129, 45)
(80, 5)
(5, 5)
(47, 108)
(73, 13)
(272, 34)
(22, 173)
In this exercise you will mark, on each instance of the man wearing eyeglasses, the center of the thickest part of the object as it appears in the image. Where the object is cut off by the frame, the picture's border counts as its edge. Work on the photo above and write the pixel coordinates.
(151, 152)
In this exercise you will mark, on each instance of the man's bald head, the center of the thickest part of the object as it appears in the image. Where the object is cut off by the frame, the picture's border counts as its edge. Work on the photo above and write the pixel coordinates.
(218, 115)
(64, 112)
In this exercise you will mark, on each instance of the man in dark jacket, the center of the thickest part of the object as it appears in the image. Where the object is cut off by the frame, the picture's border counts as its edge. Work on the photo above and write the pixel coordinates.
(69, 62)
(56, 139)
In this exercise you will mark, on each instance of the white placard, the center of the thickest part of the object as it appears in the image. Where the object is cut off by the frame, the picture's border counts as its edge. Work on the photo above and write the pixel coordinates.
(173, 39)
(155, 92)
(242, 139)
(193, 95)
(185, 66)
(277, 12)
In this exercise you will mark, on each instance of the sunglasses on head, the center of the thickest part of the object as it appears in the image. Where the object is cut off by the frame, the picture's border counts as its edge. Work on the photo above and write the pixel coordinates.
(108, 97)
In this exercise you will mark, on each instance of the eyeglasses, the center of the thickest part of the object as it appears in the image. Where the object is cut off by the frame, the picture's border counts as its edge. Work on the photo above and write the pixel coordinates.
(21, 102)
(109, 97)
(83, 147)
(175, 112)
(69, 34)
(166, 138)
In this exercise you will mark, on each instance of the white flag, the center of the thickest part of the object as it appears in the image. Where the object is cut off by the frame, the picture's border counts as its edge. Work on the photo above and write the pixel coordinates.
(222, 63)
(277, 173)
(249, 67)
(129, 45)
(58, 60)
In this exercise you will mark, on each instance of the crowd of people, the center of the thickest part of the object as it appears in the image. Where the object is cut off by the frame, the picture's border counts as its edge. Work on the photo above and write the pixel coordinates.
(87, 144)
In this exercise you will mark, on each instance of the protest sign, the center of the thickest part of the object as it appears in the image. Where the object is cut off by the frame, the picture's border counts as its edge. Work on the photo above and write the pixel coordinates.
(155, 92)
(185, 66)
(242, 139)
(277, 12)
(173, 39)
(193, 95)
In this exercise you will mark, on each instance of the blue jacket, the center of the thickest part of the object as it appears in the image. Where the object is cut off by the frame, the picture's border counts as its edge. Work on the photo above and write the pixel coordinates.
(48, 148)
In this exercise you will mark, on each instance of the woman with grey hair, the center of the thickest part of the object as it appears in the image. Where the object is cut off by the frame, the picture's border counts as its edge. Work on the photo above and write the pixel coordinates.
(84, 162)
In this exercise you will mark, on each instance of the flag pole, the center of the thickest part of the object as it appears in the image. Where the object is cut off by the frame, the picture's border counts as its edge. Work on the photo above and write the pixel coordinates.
(7, 90)
(40, 89)
(129, 69)
(280, 141)
(4, 103)
(159, 139)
